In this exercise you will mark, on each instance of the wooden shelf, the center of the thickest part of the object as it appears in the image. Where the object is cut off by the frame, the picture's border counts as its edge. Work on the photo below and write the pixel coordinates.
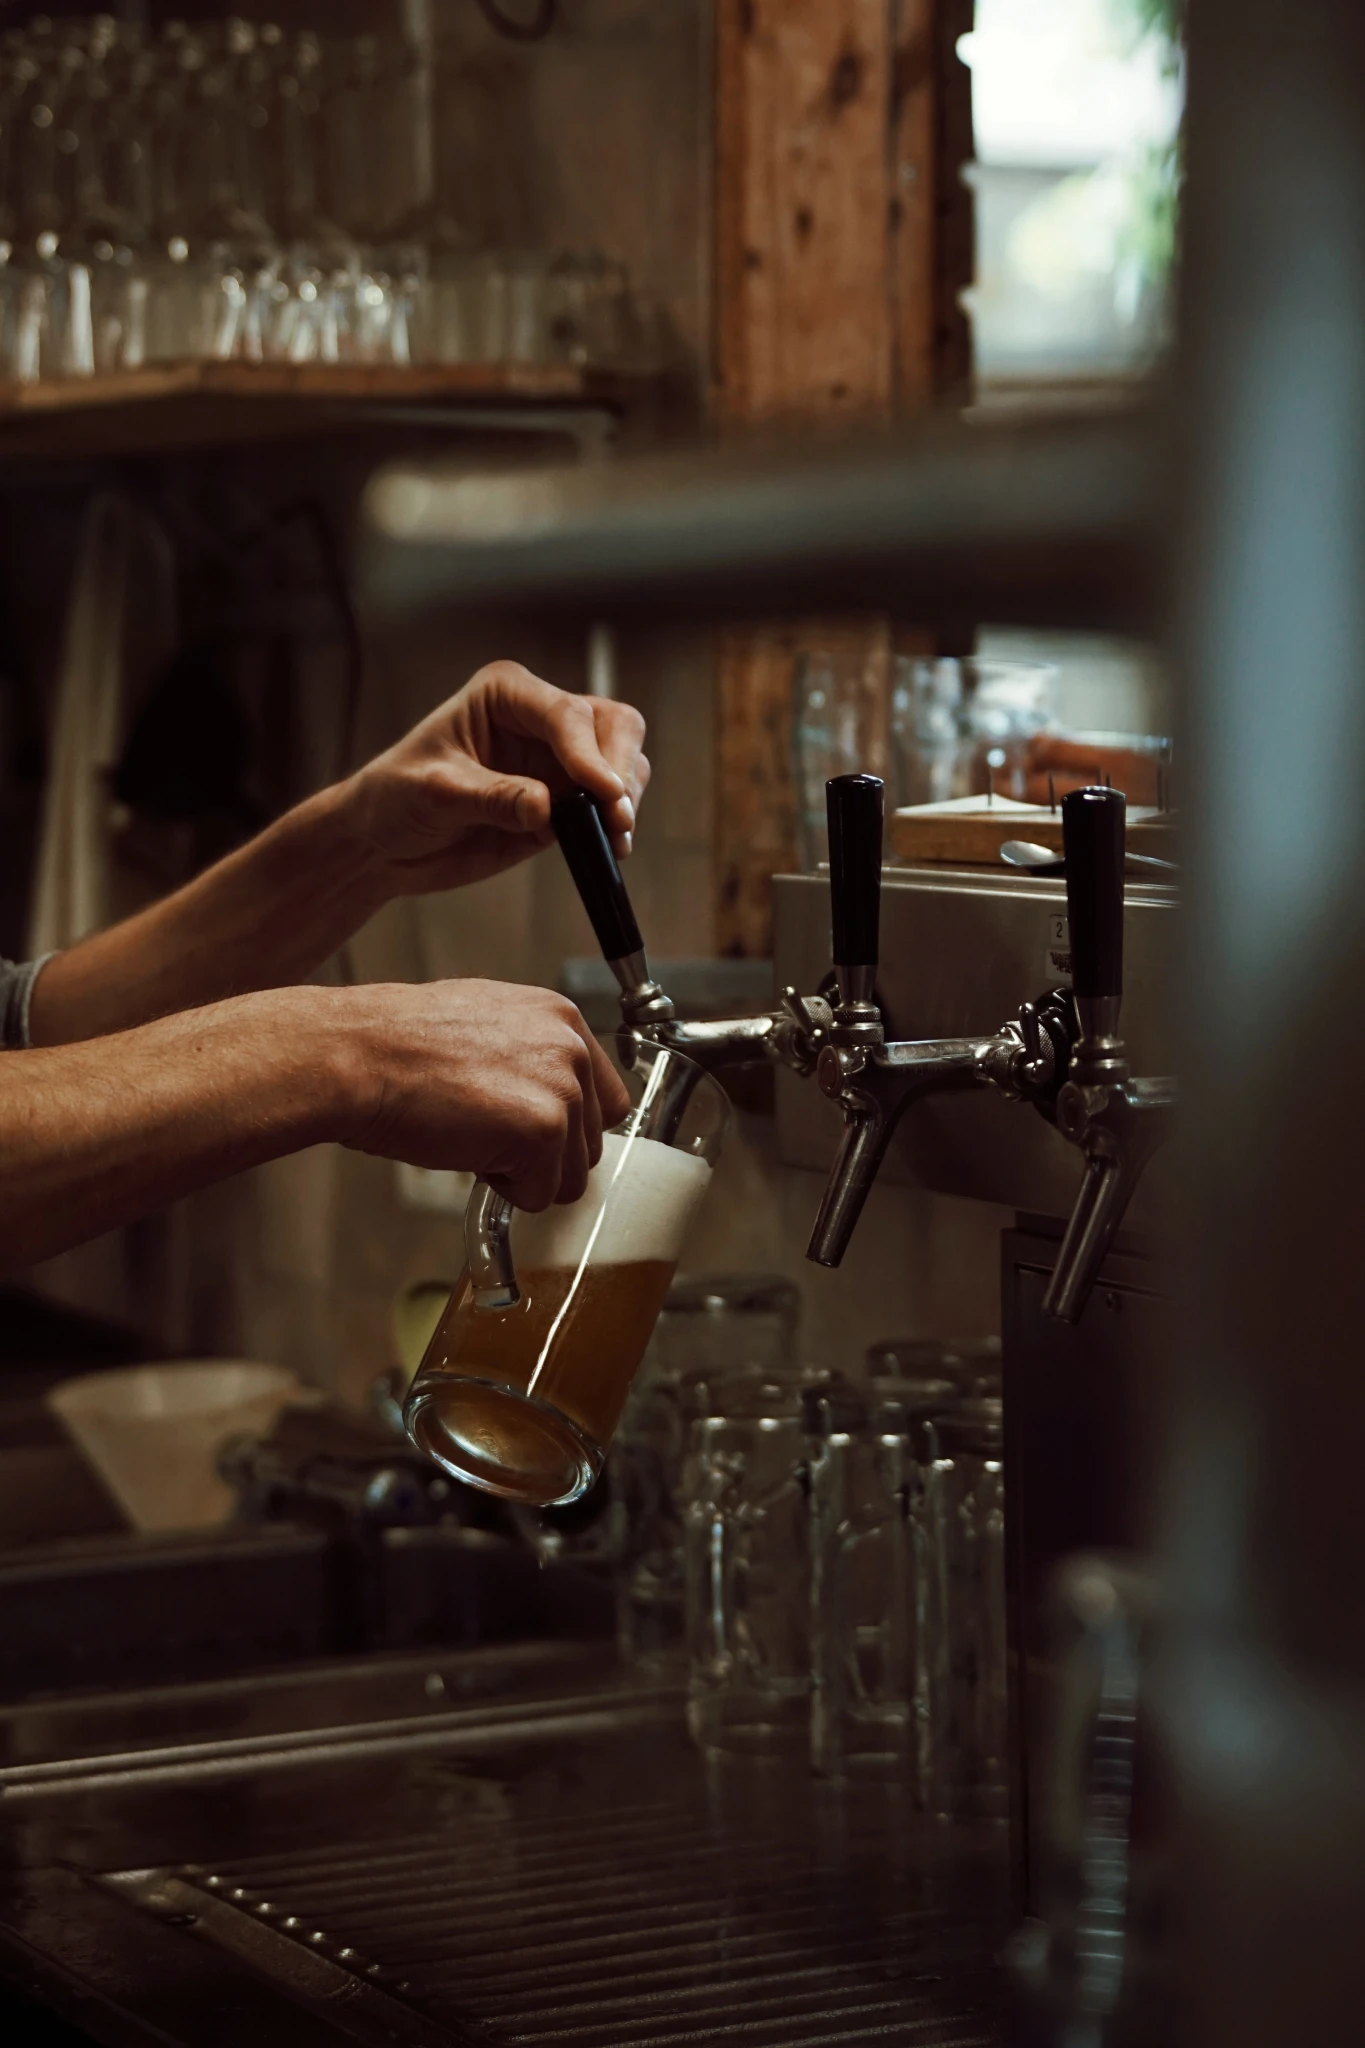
(206, 404)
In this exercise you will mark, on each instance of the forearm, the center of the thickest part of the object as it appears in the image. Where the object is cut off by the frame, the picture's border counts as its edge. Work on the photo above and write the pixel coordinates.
(268, 914)
(94, 1135)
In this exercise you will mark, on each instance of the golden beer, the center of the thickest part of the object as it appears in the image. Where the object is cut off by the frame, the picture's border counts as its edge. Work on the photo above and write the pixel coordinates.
(523, 1401)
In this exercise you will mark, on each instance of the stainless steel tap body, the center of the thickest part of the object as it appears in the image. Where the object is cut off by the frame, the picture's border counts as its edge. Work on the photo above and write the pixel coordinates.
(791, 1035)
(874, 1083)
(1118, 1123)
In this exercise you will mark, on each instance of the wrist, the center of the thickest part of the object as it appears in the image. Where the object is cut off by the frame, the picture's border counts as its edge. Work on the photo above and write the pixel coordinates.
(340, 1069)
(311, 1058)
(334, 823)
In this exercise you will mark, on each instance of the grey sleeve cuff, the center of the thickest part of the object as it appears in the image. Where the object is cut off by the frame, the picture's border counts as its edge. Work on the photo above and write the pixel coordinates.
(16, 993)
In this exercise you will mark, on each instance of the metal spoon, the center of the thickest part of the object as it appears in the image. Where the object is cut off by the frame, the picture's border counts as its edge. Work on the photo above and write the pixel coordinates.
(1041, 860)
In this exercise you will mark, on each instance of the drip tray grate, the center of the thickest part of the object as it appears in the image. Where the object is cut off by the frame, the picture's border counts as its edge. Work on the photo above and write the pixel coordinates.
(630, 1894)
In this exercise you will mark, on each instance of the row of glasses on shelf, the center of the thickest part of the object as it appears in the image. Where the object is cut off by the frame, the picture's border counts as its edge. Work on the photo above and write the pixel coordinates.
(238, 191)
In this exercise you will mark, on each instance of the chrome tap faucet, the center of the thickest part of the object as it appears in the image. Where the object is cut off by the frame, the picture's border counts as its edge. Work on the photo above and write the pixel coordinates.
(873, 1081)
(1117, 1122)
(791, 1034)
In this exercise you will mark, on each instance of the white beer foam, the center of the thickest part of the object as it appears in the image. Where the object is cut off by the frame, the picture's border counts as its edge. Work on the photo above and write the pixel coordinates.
(650, 1193)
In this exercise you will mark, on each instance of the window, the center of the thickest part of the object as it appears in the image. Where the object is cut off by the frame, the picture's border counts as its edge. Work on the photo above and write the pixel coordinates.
(1077, 107)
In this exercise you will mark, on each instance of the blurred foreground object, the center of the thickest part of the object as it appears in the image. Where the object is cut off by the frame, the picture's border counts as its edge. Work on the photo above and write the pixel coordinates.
(1256, 1684)
(1053, 521)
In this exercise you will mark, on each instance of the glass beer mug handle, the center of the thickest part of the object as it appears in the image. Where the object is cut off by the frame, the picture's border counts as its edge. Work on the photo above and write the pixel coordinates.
(1088, 1954)
(488, 1249)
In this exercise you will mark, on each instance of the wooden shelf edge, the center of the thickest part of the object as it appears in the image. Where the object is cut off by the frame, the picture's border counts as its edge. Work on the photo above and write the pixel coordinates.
(191, 404)
(519, 381)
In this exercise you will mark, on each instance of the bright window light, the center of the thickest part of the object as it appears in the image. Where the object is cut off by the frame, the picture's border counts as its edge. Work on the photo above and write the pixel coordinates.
(1076, 106)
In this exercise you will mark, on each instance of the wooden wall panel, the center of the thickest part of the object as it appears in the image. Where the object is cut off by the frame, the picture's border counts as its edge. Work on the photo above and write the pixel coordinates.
(803, 317)
(913, 200)
(839, 224)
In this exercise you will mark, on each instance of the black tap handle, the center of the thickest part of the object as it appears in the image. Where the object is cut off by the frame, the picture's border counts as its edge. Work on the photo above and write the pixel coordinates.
(1093, 835)
(854, 807)
(584, 843)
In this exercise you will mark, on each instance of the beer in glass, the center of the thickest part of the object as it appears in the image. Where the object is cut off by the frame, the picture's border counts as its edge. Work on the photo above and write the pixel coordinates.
(522, 1398)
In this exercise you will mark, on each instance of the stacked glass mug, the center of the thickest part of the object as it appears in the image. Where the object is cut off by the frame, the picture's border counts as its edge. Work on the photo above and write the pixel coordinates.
(845, 1573)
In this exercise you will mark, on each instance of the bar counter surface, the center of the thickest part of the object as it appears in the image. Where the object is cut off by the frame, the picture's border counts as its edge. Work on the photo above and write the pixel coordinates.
(514, 1845)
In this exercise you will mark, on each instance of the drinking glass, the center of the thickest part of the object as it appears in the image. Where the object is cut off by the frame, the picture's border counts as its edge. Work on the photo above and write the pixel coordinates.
(838, 728)
(958, 1512)
(862, 1661)
(966, 1365)
(224, 188)
(961, 726)
(1100, 1865)
(524, 1381)
(868, 1615)
(715, 1329)
(590, 312)
(748, 1606)
(313, 295)
(42, 88)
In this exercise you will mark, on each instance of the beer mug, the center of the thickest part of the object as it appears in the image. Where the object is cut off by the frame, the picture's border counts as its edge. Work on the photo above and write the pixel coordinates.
(525, 1378)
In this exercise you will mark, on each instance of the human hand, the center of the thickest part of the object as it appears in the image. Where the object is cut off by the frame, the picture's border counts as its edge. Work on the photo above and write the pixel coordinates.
(482, 1076)
(467, 792)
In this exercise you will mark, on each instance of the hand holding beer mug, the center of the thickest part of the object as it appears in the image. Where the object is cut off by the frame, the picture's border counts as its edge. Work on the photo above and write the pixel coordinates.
(525, 1378)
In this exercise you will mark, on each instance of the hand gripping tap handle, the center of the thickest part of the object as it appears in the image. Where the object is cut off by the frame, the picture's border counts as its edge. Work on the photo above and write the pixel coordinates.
(854, 806)
(1093, 842)
(586, 848)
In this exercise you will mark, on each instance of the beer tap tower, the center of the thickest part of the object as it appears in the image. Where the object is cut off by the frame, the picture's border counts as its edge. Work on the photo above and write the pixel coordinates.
(1078, 1388)
(1083, 1312)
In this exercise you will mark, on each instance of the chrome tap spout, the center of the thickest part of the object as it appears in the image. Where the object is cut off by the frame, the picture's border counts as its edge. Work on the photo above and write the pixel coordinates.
(874, 1086)
(1118, 1124)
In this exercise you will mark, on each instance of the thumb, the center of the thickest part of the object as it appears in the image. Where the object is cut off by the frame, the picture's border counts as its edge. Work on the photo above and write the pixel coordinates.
(508, 803)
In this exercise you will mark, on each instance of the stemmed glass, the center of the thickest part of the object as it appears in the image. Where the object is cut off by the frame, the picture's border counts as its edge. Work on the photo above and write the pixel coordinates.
(96, 234)
(310, 319)
(16, 69)
(366, 88)
(42, 78)
(241, 247)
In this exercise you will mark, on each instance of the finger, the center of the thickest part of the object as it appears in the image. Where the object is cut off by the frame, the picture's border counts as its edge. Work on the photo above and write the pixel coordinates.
(605, 1098)
(612, 1094)
(592, 1111)
(573, 1165)
(621, 738)
(506, 803)
(528, 705)
(609, 1089)
(620, 733)
(534, 1183)
(595, 741)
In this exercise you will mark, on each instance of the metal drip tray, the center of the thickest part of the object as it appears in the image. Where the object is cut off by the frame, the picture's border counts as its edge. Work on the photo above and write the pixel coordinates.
(570, 1874)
